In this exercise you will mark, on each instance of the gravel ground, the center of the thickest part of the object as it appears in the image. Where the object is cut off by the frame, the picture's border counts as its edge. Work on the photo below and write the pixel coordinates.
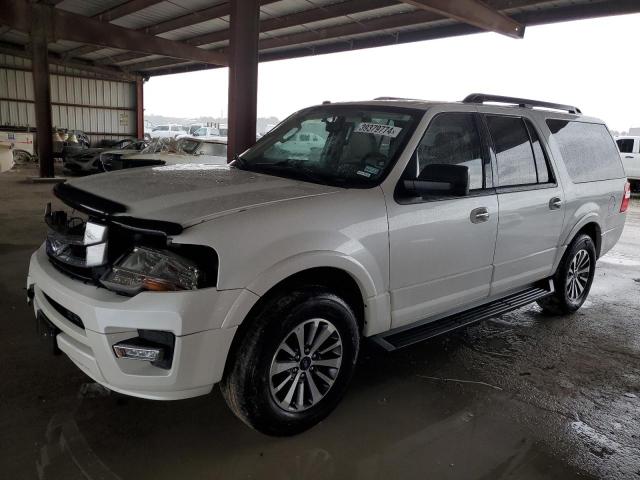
(524, 396)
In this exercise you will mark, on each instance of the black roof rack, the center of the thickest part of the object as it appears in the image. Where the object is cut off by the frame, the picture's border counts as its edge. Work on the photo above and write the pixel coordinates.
(522, 102)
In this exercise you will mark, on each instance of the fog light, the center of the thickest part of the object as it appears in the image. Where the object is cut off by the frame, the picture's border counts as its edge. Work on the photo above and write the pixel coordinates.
(139, 349)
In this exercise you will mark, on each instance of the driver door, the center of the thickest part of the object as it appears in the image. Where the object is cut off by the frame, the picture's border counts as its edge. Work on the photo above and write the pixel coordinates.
(442, 247)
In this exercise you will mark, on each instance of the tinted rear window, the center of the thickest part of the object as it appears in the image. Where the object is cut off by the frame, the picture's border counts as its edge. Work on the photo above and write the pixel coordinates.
(587, 149)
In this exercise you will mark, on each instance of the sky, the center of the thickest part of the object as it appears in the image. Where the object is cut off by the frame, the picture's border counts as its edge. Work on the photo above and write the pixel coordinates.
(592, 64)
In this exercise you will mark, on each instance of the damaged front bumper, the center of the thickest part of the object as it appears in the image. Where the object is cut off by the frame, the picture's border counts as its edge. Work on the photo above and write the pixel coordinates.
(92, 319)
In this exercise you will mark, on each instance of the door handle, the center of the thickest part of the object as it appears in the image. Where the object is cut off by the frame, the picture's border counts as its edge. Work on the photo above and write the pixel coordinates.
(479, 215)
(628, 156)
(555, 203)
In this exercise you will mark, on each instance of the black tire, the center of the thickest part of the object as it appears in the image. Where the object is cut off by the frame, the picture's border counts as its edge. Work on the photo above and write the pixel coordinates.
(565, 300)
(247, 384)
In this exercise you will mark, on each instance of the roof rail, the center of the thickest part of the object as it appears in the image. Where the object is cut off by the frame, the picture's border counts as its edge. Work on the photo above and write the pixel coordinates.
(398, 98)
(522, 102)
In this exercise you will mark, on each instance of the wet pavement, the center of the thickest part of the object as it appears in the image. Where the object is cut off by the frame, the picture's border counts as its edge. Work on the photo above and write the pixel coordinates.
(524, 396)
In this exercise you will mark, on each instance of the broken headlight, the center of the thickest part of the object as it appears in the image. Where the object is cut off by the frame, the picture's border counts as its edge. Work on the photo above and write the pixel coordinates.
(149, 269)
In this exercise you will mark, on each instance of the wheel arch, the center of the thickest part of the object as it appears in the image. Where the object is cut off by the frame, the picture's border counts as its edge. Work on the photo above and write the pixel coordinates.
(593, 230)
(335, 279)
(590, 225)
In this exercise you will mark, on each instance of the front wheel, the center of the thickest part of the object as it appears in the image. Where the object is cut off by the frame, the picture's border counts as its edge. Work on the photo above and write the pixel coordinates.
(573, 278)
(294, 362)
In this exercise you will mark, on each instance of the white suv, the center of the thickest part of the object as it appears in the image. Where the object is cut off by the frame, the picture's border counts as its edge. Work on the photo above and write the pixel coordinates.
(168, 131)
(404, 220)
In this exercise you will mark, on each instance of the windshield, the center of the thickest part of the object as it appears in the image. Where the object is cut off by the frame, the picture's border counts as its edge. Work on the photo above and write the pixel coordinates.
(338, 145)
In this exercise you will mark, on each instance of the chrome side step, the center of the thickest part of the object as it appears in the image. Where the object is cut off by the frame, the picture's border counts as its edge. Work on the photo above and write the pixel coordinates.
(403, 337)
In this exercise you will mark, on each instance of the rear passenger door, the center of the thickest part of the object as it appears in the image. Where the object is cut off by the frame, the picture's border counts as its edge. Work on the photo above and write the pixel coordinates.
(530, 204)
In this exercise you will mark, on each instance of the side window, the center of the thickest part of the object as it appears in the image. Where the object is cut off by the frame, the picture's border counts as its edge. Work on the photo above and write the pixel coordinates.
(451, 139)
(587, 149)
(625, 145)
(514, 152)
(542, 162)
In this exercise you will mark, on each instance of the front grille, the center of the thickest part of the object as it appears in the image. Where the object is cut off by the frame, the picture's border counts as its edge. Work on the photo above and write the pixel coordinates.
(65, 312)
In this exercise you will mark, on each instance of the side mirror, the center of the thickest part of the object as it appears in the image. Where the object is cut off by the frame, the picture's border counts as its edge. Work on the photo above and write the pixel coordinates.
(440, 179)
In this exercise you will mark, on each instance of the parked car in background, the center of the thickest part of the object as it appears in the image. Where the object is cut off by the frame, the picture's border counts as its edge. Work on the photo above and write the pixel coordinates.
(629, 147)
(172, 152)
(110, 155)
(88, 160)
(208, 133)
(409, 220)
(168, 131)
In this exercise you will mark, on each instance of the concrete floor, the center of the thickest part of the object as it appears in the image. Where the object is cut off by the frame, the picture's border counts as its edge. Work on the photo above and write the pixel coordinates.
(526, 396)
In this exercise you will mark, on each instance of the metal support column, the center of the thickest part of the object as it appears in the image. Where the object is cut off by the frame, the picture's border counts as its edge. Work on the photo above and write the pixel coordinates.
(40, 28)
(243, 74)
(139, 108)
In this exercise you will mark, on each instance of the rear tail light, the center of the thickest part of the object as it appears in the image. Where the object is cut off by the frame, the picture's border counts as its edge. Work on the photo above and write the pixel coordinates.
(625, 198)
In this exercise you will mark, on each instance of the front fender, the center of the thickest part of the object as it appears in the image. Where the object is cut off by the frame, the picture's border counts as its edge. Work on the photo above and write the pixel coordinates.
(377, 303)
(308, 260)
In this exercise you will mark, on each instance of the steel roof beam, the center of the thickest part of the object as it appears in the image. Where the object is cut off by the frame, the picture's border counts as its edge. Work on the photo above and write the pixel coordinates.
(109, 15)
(78, 28)
(354, 28)
(306, 16)
(124, 9)
(221, 9)
(110, 73)
(473, 12)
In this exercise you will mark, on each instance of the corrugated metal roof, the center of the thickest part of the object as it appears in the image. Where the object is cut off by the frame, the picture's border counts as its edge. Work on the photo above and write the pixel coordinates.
(385, 23)
(87, 8)
(208, 26)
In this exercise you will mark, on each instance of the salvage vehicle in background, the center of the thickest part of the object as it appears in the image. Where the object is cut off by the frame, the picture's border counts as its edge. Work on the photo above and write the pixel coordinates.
(629, 147)
(164, 151)
(69, 142)
(88, 160)
(407, 220)
(168, 131)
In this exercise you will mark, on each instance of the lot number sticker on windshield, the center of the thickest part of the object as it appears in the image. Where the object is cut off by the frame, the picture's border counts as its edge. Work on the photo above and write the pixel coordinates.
(378, 129)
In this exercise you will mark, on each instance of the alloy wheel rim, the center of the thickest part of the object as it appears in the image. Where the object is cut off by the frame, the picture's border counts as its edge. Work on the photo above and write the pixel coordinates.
(578, 275)
(305, 365)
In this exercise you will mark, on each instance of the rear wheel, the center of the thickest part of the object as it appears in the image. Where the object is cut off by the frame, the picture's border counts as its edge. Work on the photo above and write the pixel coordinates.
(573, 278)
(294, 363)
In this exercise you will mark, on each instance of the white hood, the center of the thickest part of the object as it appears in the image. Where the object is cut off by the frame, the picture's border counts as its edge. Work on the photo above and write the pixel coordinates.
(192, 193)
